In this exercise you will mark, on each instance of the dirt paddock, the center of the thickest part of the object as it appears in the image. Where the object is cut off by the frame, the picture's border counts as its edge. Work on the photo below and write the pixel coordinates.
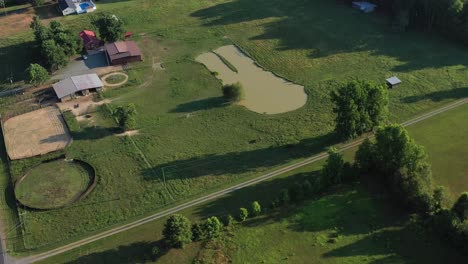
(36, 133)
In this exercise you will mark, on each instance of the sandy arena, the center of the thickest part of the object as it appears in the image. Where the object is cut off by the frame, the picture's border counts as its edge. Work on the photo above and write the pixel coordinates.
(36, 133)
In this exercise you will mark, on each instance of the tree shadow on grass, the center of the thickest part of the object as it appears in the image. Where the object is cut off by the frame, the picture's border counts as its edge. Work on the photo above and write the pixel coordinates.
(139, 252)
(234, 163)
(94, 133)
(15, 59)
(457, 93)
(309, 25)
(199, 105)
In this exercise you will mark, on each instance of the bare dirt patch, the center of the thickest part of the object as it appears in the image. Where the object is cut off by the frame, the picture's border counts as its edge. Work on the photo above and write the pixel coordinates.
(81, 106)
(36, 133)
(264, 91)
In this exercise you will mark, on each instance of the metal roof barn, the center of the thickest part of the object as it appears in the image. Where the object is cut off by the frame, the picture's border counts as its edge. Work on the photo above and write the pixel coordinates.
(75, 84)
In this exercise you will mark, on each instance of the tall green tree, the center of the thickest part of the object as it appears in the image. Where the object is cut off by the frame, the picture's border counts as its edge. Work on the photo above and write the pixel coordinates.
(243, 214)
(359, 106)
(332, 171)
(53, 54)
(401, 164)
(110, 27)
(36, 74)
(212, 228)
(177, 231)
(125, 116)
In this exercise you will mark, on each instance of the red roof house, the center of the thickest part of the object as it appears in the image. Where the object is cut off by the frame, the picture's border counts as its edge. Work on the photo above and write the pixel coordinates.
(90, 41)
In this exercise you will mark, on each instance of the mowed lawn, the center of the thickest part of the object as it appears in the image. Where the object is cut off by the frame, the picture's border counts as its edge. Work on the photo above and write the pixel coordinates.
(445, 138)
(190, 142)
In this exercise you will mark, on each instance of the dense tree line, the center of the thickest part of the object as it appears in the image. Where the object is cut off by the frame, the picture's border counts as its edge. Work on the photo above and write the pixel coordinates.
(449, 17)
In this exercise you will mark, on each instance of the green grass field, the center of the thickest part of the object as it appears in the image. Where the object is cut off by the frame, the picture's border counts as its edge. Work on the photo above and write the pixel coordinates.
(53, 184)
(364, 225)
(445, 138)
(190, 143)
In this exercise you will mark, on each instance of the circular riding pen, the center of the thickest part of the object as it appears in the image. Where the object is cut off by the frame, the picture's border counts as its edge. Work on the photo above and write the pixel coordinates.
(55, 184)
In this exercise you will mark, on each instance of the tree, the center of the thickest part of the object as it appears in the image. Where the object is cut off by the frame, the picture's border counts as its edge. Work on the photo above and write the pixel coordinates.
(461, 206)
(198, 233)
(110, 27)
(36, 74)
(256, 208)
(233, 92)
(243, 214)
(359, 106)
(212, 228)
(53, 54)
(56, 42)
(125, 116)
(228, 221)
(441, 198)
(402, 165)
(332, 171)
(177, 231)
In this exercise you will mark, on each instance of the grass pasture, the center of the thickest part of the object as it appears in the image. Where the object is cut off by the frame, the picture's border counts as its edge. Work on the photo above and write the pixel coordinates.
(53, 184)
(350, 224)
(189, 141)
(445, 138)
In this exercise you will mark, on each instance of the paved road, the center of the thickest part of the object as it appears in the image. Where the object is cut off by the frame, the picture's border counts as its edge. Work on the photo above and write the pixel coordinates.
(212, 196)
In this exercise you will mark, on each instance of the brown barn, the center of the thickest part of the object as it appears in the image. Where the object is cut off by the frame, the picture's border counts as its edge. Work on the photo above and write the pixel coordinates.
(122, 52)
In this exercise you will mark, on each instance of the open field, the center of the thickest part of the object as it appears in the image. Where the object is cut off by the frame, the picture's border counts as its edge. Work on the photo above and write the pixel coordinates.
(367, 229)
(265, 92)
(53, 184)
(445, 138)
(36, 133)
(189, 142)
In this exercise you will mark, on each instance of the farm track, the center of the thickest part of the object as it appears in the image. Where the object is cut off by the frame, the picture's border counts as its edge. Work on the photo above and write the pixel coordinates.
(217, 194)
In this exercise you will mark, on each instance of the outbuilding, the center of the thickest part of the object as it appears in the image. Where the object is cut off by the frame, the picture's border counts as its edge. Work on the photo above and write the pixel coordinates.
(69, 88)
(392, 82)
(123, 52)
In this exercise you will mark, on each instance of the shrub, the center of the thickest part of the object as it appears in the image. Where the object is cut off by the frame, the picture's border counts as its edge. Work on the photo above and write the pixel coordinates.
(284, 197)
(296, 192)
(36, 74)
(155, 252)
(460, 208)
(233, 92)
(333, 169)
(212, 227)
(243, 214)
(125, 116)
(198, 233)
(229, 220)
(177, 231)
(256, 208)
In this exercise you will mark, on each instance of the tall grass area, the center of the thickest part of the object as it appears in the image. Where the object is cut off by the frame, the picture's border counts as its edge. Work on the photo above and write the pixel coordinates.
(189, 141)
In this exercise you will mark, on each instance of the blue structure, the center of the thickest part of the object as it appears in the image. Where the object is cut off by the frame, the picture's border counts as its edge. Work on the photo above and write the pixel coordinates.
(365, 7)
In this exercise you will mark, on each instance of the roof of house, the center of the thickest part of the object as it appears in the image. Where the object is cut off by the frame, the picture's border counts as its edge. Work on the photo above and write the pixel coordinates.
(77, 83)
(89, 36)
(394, 80)
(122, 49)
(64, 4)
